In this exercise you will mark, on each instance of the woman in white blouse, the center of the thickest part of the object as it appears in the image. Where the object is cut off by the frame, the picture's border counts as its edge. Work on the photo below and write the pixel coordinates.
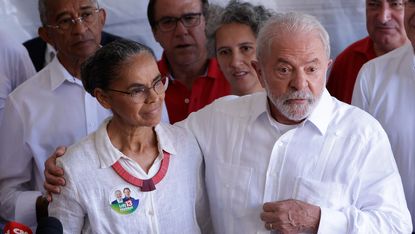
(134, 174)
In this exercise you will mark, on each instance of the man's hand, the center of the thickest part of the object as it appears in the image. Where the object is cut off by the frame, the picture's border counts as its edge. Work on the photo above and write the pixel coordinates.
(291, 216)
(54, 174)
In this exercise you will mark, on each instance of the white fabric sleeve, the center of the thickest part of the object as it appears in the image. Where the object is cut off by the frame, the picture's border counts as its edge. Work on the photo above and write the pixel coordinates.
(66, 206)
(360, 90)
(17, 200)
(330, 217)
(378, 204)
(5, 89)
(202, 204)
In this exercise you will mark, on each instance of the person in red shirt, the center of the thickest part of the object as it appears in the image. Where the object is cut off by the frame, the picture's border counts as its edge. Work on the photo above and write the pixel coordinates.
(194, 80)
(384, 23)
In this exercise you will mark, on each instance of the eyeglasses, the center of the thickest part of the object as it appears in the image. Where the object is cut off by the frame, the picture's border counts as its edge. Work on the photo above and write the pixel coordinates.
(88, 17)
(168, 24)
(140, 93)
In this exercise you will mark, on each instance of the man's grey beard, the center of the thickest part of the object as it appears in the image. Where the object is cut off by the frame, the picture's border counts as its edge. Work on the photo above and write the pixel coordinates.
(295, 112)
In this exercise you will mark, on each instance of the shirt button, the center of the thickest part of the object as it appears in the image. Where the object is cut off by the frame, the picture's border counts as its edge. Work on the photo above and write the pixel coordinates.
(186, 100)
(150, 213)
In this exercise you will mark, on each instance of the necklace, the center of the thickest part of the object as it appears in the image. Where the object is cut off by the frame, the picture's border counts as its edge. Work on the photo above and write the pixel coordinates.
(145, 185)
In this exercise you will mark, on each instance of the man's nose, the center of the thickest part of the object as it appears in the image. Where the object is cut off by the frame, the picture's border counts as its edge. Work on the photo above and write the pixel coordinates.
(79, 25)
(299, 81)
(385, 13)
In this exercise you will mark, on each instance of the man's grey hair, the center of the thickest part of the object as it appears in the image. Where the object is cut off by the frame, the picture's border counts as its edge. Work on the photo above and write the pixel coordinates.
(43, 10)
(235, 12)
(283, 23)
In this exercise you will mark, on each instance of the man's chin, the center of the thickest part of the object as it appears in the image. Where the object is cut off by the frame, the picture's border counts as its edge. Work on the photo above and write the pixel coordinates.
(297, 112)
(86, 53)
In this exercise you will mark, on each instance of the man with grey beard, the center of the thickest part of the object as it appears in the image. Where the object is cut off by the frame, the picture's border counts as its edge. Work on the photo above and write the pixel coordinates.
(293, 159)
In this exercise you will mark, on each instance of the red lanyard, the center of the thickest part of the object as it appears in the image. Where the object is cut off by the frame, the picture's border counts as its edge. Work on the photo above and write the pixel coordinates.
(145, 185)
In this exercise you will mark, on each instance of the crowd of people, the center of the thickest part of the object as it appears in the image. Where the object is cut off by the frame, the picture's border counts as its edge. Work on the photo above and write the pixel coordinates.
(240, 127)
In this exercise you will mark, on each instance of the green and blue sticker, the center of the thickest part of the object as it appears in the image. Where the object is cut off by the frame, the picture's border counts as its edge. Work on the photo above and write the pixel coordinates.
(124, 199)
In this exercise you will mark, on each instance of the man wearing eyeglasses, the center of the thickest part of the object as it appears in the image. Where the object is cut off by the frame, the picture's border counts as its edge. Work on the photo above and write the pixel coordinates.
(195, 80)
(50, 109)
(385, 87)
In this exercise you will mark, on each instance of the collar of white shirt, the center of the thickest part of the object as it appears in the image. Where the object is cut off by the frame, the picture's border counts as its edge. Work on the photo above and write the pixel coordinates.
(59, 74)
(105, 148)
(320, 117)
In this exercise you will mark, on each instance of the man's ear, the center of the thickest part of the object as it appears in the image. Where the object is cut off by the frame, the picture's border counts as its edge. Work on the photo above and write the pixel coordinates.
(102, 17)
(44, 34)
(258, 71)
(155, 35)
(330, 63)
(102, 98)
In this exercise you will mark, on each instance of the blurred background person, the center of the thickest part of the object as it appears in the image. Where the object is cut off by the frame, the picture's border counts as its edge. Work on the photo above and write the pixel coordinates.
(231, 37)
(194, 79)
(384, 23)
(15, 66)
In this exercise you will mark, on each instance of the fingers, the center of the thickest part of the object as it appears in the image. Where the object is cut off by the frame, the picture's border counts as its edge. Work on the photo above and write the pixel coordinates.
(268, 217)
(269, 226)
(60, 151)
(269, 206)
(49, 197)
(53, 187)
(53, 173)
(290, 216)
(50, 163)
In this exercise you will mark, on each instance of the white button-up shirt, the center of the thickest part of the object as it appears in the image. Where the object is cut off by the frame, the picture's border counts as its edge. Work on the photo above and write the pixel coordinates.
(49, 110)
(339, 159)
(15, 66)
(178, 205)
(386, 89)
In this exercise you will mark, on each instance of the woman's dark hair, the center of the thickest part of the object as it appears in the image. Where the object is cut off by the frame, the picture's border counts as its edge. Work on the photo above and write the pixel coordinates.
(102, 68)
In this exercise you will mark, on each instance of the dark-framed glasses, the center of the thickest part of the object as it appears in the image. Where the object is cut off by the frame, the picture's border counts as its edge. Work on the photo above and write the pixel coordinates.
(167, 24)
(88, 17)
(139, 93)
